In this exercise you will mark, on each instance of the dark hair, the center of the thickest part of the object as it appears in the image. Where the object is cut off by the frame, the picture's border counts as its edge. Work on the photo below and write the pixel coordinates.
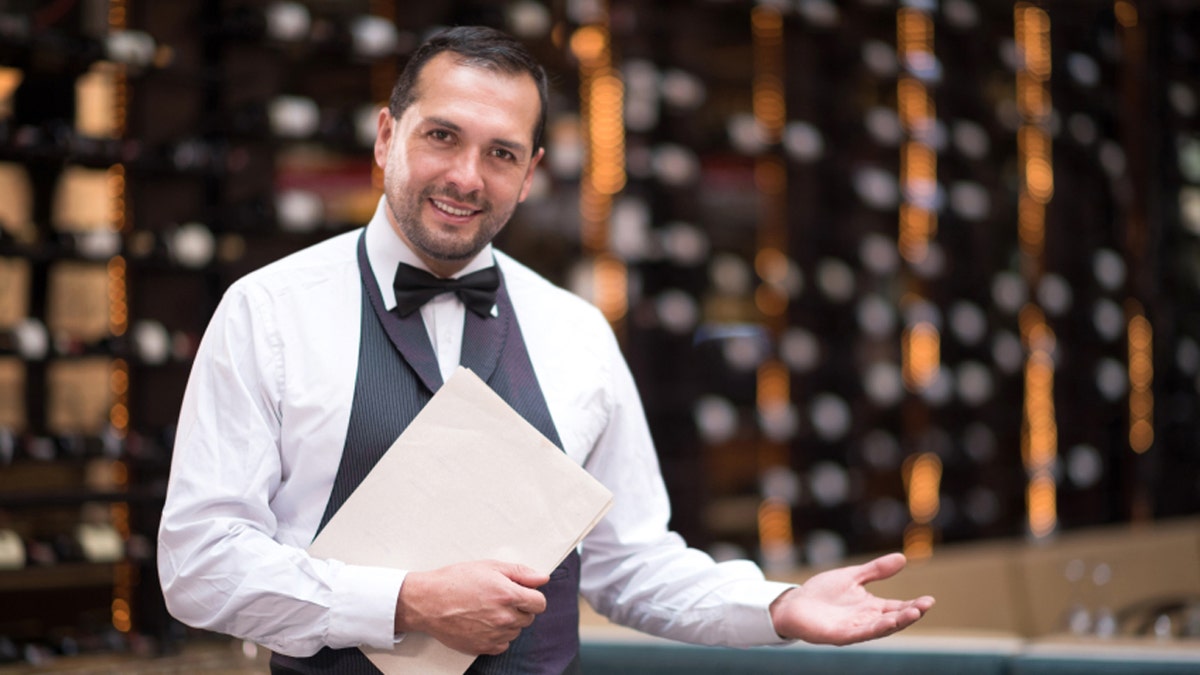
(477, 46)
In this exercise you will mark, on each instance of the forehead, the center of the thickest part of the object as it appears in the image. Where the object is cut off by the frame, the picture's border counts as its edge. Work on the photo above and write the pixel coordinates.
(477, 95)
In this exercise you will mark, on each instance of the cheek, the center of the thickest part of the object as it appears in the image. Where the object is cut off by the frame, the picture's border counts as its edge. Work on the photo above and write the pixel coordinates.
(419, 167)
(400, 173)
(514, 186)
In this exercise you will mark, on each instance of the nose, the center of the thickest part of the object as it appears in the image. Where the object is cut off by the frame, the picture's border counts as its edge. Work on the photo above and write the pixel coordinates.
(466, 171)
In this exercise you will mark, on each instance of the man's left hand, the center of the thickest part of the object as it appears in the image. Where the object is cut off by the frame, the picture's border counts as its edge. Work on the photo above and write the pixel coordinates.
(834, 607)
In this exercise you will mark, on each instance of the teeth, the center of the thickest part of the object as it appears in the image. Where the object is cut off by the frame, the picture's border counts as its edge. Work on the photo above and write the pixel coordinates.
(451, 210)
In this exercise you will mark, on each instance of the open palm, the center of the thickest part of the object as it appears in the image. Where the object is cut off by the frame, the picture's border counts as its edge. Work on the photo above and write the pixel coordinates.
(834, 607)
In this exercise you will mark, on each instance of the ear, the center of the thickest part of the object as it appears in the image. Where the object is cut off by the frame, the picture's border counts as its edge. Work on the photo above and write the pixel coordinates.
(383, 136)
(537, 157)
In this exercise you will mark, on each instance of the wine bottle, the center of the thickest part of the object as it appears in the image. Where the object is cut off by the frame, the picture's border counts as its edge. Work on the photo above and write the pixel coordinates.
(279, 22)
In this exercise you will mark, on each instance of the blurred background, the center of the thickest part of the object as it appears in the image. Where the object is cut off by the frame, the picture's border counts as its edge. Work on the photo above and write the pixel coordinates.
(891, 275)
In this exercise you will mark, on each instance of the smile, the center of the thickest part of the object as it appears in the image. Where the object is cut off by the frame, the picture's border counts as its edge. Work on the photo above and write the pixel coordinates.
(450, 210)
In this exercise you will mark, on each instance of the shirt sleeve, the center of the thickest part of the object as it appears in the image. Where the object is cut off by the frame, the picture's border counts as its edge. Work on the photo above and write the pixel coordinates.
(637, 572)
(220, 565)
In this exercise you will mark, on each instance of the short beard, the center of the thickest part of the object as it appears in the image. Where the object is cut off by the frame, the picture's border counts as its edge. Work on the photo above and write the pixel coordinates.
(426, 240)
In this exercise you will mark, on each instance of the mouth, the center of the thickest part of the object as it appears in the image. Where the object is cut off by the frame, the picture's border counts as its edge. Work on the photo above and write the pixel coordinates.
(451, 210)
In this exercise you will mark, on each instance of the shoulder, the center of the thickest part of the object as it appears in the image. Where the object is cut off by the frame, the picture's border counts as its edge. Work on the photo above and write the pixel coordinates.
(538, 299)
(562, 331)
(322, 265)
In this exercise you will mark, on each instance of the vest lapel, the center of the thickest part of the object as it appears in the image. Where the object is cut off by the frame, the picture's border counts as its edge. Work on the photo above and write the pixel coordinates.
(484, 338)
(408, 333)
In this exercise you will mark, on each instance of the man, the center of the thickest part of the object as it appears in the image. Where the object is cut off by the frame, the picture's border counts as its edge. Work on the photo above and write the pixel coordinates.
(312, 365)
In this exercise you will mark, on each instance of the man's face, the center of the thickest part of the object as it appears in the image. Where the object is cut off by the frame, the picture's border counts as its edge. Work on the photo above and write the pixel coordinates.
(458, 160)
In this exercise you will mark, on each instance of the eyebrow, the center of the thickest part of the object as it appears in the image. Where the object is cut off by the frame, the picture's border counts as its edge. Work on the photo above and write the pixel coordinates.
(514, 146)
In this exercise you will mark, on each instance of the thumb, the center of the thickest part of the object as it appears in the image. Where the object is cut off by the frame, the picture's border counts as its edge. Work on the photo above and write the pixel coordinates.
(525, 576)
(880, 568)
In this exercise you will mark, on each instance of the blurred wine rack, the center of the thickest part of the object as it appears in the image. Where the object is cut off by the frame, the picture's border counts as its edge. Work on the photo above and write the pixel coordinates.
(150, 154)
(153, 152)
(781, 158)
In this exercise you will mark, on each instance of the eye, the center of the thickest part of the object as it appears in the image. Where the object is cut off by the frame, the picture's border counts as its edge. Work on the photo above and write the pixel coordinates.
(440, 135)
(506, 155)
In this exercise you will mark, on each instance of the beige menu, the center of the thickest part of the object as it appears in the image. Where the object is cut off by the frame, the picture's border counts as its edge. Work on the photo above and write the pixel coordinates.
(469, 479)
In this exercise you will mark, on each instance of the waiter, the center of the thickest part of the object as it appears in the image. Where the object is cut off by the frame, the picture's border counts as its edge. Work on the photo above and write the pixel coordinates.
(313, 365)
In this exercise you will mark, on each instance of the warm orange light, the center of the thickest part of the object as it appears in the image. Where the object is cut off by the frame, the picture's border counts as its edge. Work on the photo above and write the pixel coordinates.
(611, 287)
(117, 14)
(918, 162)
(116, 188)
(606, 133)
(602, 95)
(921, 354)
(121, 619)
(1033, 100)
(118, 309)
(767, 99)
(769, 106)
(775, 524)
(918, 541)
(914, 31)
(774, 385)
(589, 43)
(770, 176)
(770, 300)
(771, 265)
(121, 220)
(118, 414)
(915, 107)
(922, 478)
(1040, 437)
(1126, 13)
(1033, 141)
(1031, 227)
(1032, 27)
(1141, 436)
(10, 79)
(120, 477)
(1039, 178)
(917, 226)
(1039, 428)
(920, 343)
(1041, 502)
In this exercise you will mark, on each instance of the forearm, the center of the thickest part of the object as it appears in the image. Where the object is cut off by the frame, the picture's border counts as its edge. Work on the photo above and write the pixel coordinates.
(682, 594)
(637, 572)
(231, 558)
(219, 575)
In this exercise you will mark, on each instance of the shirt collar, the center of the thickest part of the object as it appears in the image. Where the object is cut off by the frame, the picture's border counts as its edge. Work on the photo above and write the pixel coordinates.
(385, 249)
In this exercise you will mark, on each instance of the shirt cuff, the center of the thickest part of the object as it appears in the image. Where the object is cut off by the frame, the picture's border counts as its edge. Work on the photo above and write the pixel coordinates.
(758, 629)
(364, 613)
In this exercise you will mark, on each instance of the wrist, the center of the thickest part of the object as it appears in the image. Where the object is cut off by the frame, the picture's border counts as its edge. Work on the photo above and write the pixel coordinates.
(406, 618)
(778, 612)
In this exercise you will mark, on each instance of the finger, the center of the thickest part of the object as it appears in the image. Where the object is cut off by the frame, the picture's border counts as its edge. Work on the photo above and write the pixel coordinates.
(890, 623)
(922, 604)
(495, 649)
(880, 568)
(527, 619)
(526, 576)
(905, 618)
(529, 601)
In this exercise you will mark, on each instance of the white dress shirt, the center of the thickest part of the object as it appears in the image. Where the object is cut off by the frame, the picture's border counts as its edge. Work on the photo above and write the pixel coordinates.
(261, 433)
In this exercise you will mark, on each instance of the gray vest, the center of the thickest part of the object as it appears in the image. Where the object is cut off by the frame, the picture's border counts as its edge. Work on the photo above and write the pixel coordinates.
(397, 375)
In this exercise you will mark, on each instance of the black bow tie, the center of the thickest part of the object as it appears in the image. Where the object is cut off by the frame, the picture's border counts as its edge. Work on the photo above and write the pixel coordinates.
(414, 287)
